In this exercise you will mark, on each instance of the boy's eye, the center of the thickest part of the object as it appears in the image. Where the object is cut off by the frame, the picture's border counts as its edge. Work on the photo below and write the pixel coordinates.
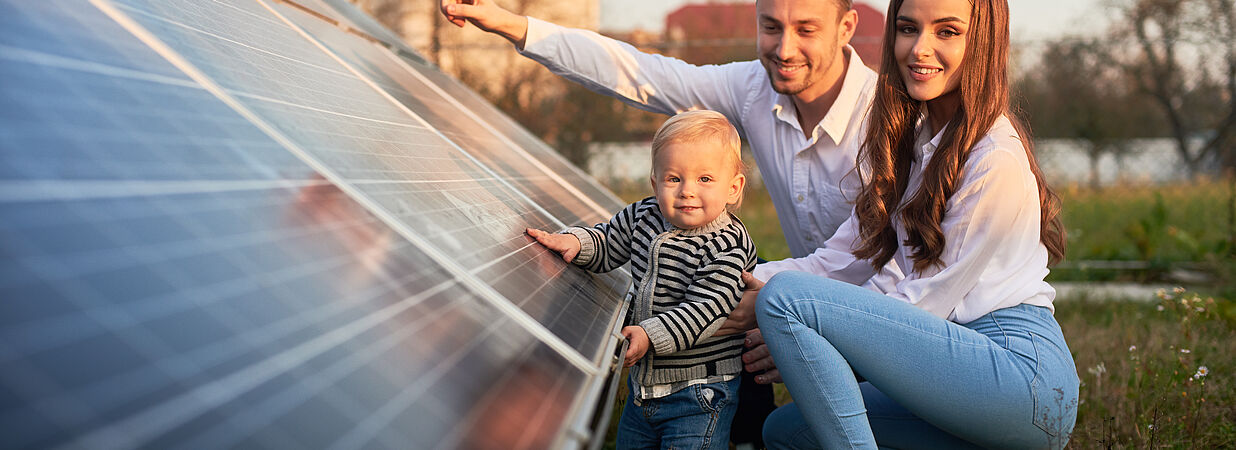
(672, 179)
(705, 179)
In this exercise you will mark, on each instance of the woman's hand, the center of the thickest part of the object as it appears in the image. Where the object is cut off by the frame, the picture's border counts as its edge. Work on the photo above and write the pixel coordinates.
(488, 17)
(742, 318)
(566, 244)
(757, 358)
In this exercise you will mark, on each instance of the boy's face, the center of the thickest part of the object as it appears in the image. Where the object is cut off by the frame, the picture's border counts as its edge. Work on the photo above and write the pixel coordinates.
(693, 182)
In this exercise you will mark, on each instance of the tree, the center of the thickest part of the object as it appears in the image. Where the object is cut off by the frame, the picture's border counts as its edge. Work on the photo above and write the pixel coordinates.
(1183, 57)
(1076, 92)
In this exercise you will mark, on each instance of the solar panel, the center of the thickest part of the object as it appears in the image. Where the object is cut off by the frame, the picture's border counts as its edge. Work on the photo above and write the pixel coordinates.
(236, 224)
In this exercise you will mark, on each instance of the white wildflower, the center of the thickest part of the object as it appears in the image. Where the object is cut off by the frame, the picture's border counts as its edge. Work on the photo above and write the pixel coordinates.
(1160, 308)
(1098, 370)
(1202, 371)
(1185, 350)
(1132, 348)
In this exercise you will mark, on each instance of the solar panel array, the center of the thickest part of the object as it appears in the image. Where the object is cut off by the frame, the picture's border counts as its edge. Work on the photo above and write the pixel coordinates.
(266, 224)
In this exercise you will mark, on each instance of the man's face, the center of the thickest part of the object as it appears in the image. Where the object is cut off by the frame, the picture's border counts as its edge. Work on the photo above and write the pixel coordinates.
(800, 42)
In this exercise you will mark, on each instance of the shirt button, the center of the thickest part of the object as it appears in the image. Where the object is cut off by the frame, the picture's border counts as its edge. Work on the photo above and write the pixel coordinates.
(801, 198)
(808, 239)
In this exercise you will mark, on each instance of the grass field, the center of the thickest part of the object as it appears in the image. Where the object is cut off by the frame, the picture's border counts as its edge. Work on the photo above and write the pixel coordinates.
(1156, 372)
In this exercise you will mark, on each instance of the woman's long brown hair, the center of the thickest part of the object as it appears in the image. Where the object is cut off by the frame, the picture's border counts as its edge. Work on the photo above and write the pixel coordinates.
(889, 149)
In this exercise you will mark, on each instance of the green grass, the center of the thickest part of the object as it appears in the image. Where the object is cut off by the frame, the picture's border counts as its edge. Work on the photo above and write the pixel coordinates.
(1180, 222)
(1139, 365)
(1188, 225)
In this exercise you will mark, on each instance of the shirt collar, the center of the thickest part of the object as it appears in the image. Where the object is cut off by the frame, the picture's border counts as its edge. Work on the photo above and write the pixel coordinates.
(927, 147)
(839, 115)
(723, 220)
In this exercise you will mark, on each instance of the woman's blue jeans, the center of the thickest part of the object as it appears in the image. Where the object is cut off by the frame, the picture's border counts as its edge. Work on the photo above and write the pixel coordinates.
(1005, 380)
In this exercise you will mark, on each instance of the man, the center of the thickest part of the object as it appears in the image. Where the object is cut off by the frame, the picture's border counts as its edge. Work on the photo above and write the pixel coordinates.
(802, 108)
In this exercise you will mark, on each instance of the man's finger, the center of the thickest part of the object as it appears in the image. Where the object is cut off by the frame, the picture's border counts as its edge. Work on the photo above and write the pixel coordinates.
(445, 7)
(754, 354)
(456, 11)
(754, 338)
(769, 377)
(759, 365)
(752, 283)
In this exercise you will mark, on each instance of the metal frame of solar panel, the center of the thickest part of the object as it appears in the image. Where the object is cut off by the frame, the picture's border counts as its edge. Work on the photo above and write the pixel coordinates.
(267, 223)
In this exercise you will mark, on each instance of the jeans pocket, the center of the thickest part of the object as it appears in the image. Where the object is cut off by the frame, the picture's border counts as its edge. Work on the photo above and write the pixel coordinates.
(1055, 402)
(712, 397)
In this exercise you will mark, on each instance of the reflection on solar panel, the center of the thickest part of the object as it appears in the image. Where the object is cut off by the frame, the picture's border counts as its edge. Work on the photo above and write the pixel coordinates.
(265, 224)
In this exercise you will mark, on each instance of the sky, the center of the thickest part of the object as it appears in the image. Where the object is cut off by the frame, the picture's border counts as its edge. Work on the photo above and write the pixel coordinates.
(1031, 20)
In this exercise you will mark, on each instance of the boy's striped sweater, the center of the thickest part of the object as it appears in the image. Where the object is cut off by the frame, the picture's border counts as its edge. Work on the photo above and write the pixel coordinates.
(686, 284)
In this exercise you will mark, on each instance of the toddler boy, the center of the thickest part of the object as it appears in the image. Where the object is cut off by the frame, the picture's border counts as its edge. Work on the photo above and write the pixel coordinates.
(687, 252)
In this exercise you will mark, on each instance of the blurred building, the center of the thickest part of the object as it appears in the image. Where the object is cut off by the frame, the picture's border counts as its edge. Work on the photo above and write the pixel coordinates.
(721, 32)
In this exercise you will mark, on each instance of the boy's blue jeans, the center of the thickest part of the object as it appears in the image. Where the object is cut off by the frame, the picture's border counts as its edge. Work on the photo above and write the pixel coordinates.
(697, 417)
(1005, 380)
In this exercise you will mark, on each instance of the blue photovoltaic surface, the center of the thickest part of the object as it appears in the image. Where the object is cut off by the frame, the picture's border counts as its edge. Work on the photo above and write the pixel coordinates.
(178, 275)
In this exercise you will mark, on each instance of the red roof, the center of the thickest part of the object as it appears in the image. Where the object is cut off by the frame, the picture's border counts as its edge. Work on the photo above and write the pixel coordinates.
(870, 33)
(715, 33)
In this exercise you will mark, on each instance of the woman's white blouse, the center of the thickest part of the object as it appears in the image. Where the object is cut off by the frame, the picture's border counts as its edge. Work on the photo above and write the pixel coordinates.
(992, 257)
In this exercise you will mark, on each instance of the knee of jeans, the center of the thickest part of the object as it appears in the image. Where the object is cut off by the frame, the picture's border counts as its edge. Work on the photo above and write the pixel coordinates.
(774, 296)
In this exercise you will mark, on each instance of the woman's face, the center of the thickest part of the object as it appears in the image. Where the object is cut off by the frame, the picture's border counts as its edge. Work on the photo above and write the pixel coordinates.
(930, 44)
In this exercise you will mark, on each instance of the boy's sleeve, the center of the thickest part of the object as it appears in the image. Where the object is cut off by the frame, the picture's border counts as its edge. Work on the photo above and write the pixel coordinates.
(606, 246)
(713, 293)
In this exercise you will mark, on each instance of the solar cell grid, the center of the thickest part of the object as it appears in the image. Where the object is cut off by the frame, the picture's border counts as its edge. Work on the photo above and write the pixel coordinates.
(516, 133)
(177, 276)
(450, 119)
(377, 147)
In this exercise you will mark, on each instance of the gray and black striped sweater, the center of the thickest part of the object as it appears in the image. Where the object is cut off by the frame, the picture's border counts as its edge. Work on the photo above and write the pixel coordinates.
(686, 284)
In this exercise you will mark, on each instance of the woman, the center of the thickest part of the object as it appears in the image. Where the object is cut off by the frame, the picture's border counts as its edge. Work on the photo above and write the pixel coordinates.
(964, 350)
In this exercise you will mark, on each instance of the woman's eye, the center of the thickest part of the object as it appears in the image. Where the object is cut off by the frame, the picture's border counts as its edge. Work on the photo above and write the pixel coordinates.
(905, 29)
(948, 33)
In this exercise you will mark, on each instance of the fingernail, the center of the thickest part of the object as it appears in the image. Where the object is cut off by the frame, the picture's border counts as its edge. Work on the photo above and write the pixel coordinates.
(747, 342)
(450, 9)
(759, 379)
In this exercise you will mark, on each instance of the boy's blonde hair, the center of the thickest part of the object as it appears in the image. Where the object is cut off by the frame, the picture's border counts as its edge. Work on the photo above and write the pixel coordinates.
(700, 126)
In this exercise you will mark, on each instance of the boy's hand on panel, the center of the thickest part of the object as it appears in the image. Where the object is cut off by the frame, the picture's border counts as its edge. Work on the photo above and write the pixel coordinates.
(565, 244)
